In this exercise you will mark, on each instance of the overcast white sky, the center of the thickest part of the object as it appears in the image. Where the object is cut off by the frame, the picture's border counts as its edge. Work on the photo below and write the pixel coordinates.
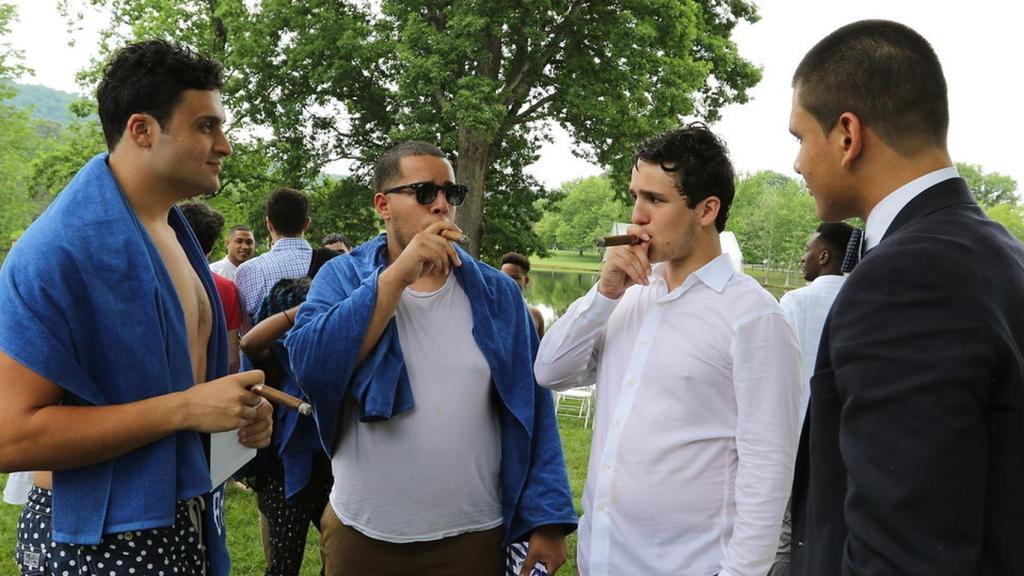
(979, 43)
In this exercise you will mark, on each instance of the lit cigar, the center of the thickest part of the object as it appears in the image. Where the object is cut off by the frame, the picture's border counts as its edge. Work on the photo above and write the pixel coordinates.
(621, 240)
(454, 236)
(283, 399)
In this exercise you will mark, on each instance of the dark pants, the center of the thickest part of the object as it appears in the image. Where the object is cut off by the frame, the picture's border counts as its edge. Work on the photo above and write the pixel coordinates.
(349, 552)
(288, 520)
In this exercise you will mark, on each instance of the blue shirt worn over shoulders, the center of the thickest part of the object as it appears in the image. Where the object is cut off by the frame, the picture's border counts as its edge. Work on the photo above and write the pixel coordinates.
(88, 304)
(326, 338)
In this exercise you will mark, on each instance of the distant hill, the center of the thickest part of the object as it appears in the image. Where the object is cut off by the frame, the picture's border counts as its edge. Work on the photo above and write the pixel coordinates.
(46, 103)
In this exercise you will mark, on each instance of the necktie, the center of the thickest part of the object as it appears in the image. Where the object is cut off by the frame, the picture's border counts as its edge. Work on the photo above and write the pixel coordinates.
(853, 248)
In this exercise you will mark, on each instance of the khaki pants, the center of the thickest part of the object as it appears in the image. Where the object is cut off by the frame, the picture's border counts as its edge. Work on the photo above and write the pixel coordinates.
(348, 552)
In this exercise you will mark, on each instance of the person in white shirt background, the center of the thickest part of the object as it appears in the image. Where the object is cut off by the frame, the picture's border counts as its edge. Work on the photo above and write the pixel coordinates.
(697, 373)
(806, 309)
(240, 244)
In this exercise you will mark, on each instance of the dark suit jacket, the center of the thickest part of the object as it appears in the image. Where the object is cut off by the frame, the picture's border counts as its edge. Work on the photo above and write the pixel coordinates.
(911, 460)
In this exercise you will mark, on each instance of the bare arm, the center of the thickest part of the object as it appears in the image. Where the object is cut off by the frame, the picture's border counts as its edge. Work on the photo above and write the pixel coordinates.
(259, 339)
(427, 253)
(39, 433)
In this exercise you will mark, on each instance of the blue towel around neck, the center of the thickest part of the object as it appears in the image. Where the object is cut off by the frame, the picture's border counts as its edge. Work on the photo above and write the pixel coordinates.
(88, 304)
(329, 330)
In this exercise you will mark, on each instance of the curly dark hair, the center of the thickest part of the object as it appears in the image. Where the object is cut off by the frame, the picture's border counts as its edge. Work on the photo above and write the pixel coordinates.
(700, 162)
(286, 294)
(150, 77)
(206, 223)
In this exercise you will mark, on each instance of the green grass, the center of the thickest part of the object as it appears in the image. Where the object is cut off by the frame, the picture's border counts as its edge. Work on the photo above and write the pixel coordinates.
(244, 526)
(569, 260)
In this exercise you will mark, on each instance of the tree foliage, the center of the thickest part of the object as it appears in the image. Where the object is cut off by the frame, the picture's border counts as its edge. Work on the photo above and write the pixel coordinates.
(990, 189)
(588, 210)
(772, 215)
(343, 80)
(1011, 216)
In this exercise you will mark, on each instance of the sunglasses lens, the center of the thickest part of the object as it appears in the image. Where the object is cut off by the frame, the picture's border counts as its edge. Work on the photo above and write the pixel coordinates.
(456, 194)
(426, 193)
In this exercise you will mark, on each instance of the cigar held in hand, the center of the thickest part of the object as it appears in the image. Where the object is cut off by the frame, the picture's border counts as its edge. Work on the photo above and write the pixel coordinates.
(454, 236)
(275, 396)
(620, 240)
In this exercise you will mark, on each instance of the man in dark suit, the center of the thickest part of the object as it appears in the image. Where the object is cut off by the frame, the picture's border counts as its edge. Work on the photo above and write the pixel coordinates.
(911, 460)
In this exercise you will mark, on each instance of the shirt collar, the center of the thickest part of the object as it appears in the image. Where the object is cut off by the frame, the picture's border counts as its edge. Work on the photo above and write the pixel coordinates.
(885, 212)
(715, 275)
(290, 243)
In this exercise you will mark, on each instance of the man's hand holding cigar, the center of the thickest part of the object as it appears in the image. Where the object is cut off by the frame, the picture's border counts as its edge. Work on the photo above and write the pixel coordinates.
(429, 252)
(626, 265)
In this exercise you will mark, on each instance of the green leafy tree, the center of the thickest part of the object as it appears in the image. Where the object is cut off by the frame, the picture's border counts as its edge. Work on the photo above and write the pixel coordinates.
(343, 80)
(772, 216)
(587, 210)
(990, 189)
(1010, 216)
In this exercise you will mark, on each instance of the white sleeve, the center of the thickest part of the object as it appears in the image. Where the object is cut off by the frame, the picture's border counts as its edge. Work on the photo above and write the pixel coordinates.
(766, 379)
(568, 352)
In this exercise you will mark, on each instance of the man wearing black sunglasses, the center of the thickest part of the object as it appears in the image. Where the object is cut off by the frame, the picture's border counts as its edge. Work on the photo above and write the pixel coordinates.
(417, 360)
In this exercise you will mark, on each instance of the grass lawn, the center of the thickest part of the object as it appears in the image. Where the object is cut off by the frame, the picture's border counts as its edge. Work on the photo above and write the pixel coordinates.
(243, 517)
(569, 260)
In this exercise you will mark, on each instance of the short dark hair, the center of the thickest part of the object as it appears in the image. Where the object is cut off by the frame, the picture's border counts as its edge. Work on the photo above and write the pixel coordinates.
(885, 73)
(389, 165)
(239, 228)
(206, 223)
(335, 237)
(517, 259)
(150, 77)
(700, 162)
(835, 235)
(288, 210)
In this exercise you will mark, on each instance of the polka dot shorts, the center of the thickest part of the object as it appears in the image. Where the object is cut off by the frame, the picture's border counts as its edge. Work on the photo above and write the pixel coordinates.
(172, 551)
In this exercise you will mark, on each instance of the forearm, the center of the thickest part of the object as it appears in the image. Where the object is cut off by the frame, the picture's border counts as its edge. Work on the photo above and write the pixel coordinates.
(567, 354)
(389, 292)
(58, 437)
(263, 335)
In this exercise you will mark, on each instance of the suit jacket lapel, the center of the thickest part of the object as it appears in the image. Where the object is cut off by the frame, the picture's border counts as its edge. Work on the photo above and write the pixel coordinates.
(947, 193)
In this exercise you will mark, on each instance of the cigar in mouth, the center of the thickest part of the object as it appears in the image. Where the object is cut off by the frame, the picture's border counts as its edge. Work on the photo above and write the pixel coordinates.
(454, 236)
(283, 399)
(620, 240)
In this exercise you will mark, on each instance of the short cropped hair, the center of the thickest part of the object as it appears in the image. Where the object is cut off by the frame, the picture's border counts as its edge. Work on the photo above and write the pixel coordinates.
(150, 78)
(700, 162)
(517, 259)
(288, 210)
(239, 228)
(835, 235)
(335, 237)
(886, 74)
(389, 165)
(205, 221)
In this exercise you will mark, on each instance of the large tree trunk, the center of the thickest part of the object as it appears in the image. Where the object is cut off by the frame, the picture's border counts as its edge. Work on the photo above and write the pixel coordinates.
(474, 157)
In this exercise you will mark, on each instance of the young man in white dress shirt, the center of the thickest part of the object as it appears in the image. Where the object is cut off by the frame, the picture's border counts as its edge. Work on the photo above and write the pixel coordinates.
(698, 383)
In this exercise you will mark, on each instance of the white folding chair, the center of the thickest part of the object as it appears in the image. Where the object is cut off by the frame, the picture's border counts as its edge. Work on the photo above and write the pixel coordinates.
(576, 403)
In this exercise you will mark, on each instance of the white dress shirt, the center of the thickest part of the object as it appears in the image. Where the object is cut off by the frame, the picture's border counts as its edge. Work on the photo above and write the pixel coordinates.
(806, 308)
(225, 268)
(885, 211)
(696, 427)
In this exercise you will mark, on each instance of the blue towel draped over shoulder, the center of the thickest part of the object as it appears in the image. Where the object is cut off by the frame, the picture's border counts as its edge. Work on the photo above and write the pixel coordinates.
(88, 304)
(326, 338)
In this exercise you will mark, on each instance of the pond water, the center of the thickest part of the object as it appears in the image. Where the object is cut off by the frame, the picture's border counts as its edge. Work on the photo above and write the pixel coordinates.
(552, 291)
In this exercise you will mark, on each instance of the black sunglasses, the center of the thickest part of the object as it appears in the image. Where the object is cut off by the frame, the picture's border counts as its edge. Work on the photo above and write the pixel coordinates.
(426, 192)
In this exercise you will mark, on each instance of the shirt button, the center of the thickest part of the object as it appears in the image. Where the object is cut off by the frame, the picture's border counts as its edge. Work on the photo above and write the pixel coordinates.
(643, 341)
(127, 535)
(616, 423)
(631, 381)
(607, 466)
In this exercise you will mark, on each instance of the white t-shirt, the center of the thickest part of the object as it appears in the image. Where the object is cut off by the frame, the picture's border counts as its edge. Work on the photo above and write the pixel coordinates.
(225, 268)
(431, 472)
